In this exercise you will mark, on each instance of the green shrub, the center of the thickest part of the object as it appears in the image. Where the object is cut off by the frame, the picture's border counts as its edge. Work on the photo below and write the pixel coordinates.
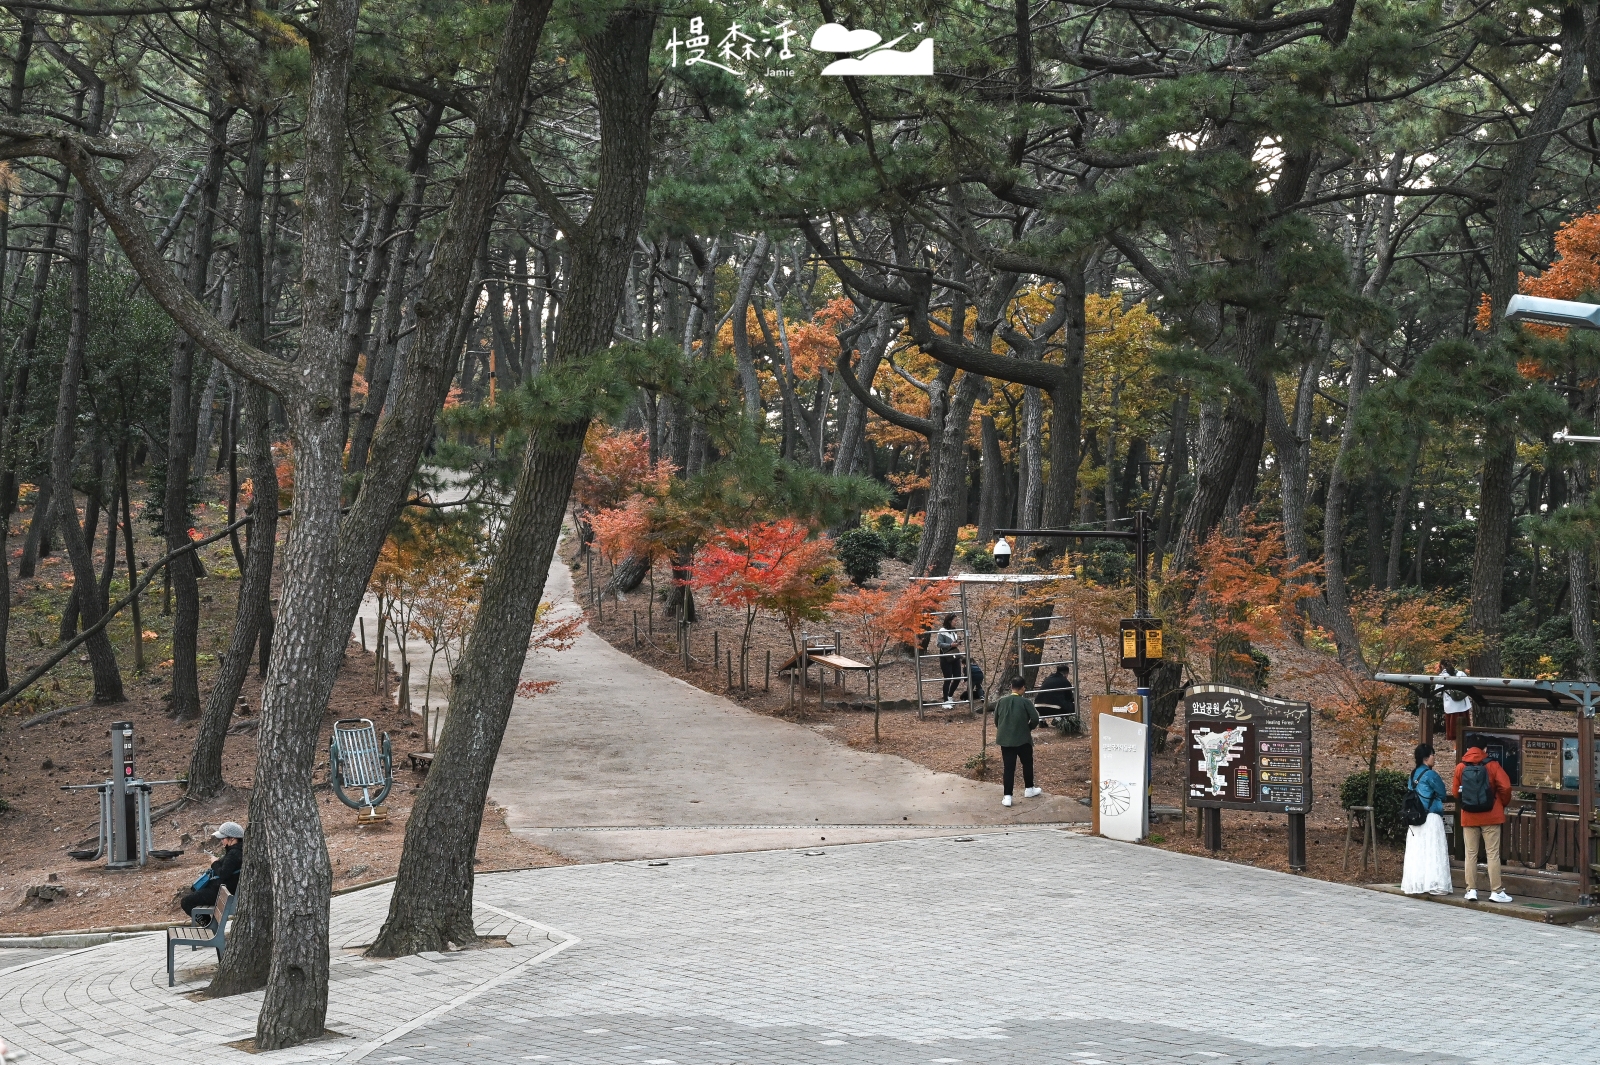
(907, 539)
(1386, 799)
(979, 560)
(4, 806)
(861, 552)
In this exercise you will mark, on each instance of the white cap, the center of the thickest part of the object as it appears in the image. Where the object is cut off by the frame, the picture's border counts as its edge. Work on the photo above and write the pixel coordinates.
(229, 830)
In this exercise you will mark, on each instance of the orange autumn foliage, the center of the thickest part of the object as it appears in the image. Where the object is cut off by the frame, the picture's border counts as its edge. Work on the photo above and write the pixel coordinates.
(1245, 590)
(615, 464)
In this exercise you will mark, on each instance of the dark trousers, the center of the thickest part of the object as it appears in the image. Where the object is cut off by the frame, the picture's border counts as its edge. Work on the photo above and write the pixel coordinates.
(950, 666)
(207, 896)
(1009, 757)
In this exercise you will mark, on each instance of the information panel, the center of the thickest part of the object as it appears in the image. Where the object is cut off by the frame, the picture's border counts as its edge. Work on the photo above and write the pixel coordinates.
(1247, 751)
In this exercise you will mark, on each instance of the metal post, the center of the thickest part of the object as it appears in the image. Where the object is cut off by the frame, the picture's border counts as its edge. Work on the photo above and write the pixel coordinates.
(1297, 842)
(124, 824)
(1586, 808)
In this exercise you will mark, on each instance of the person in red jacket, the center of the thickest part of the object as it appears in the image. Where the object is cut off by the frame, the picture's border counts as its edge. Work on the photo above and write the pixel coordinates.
(1482, 790)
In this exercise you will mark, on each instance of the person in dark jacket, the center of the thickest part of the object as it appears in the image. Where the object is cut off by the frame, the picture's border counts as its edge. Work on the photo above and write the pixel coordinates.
(224, 872)
(1056, 697)
(1015, 718)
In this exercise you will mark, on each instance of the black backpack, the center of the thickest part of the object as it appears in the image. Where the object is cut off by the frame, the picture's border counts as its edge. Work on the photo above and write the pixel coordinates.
(1412, 810)
(1477, 797)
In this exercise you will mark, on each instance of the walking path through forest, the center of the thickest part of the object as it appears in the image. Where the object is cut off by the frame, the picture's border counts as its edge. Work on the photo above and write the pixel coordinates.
(623, 761)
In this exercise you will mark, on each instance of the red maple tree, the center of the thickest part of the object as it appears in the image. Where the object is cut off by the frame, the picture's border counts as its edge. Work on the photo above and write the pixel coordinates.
(771, 565)
(879, 619)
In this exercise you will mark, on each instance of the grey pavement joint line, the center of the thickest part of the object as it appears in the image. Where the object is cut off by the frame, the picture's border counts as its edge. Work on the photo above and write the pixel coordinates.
(490, 984)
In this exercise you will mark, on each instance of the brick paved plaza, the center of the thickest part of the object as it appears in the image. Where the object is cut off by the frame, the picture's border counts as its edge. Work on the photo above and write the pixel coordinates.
(1034, 945)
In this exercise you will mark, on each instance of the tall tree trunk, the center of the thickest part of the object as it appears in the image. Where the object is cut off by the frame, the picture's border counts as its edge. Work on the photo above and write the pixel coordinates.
(1499, 437)
(432, 900)
(255, 582)
(254, 601)
(185, 575)
(851, 457)
(947, 489)
(1580, 578)
(1402, 512)
(992, 474)
(15, 396)
(102, 659)
(1334, 610)
(748, 381)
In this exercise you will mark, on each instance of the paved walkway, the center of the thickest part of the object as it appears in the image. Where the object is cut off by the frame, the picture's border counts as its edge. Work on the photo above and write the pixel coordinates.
(1033, 945)
(623, 761)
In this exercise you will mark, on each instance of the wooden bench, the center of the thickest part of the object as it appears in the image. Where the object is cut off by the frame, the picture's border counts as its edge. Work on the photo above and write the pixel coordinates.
(213, 936)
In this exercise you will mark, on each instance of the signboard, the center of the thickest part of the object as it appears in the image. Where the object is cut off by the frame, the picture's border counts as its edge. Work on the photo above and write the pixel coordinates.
(1118, 765)
(1247, 751)
(1533, 759)
(1569, 763)
(1119, 802)
(1141, 641)
(1541, 762)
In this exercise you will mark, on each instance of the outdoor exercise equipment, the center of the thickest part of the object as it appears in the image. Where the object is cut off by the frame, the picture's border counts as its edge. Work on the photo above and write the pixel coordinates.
(125, 835)
(357, 760)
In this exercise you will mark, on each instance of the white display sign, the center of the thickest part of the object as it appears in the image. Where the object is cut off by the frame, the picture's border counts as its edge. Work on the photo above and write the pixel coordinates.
(1122, 777)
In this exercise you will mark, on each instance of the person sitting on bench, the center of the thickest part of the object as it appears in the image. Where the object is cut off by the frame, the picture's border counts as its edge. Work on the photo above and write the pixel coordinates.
(1055, 696)
(224, 872)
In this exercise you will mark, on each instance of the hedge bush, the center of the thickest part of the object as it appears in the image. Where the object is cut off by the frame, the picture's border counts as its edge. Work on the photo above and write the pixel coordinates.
(1386, 799)
(861, 552)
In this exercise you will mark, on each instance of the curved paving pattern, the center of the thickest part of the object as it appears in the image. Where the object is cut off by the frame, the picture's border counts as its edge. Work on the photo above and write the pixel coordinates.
(1031, 945)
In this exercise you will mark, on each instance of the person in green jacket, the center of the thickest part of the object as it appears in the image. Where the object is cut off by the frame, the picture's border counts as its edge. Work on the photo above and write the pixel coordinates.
(1015, 718)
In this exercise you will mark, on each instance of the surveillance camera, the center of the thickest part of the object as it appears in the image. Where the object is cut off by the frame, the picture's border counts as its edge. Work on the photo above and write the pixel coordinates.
(1002, 553)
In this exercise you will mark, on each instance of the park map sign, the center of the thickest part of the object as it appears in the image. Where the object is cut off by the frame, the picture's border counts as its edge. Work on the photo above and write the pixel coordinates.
(1247, 751)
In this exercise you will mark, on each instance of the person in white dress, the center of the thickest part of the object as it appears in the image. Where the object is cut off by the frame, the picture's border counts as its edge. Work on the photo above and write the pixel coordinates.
(1427, 867)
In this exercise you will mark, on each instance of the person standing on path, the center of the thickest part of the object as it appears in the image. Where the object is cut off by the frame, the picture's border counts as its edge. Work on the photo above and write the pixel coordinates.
(1015, 718)
(1427, 866)
(1482, 790)
(948, 642)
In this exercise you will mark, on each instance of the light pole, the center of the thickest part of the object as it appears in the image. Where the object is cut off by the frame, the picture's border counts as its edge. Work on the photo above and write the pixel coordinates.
(1568, 314)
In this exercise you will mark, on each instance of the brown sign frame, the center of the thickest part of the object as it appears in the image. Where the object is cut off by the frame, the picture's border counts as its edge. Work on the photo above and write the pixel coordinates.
(1262, 758)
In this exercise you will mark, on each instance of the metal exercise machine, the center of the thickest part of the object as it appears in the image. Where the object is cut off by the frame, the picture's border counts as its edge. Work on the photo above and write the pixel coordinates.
(125, 835)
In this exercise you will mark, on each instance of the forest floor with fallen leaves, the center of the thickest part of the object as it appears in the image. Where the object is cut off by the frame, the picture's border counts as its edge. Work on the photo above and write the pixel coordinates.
(41, 823)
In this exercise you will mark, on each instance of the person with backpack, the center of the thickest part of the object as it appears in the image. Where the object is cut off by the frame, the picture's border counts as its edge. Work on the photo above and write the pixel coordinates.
(1482, 790)
(1427, 866)
(948, 642)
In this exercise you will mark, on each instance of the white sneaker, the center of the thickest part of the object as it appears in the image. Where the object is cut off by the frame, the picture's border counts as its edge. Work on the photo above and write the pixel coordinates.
(1028, 793)
(948, 705)
(1006, 801)
(1499, 896)
(1471, 896)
